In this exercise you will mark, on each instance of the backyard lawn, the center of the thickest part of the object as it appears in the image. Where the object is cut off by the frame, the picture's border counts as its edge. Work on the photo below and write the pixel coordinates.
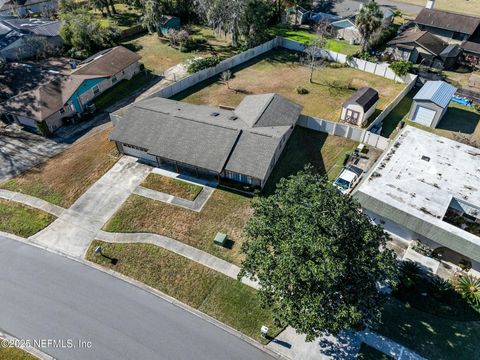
(125, 18)
(123, 89)
(175, 187)
(62, 179)
(204, 289)
(12, 353)
(22, 220)
(157, 55)
(458, 118)
(280, 71)
(468, 7)
(306, 37)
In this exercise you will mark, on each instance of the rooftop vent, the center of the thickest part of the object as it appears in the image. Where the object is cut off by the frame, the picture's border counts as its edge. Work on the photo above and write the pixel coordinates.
(233, 118)
(425, 158)
(215, 114)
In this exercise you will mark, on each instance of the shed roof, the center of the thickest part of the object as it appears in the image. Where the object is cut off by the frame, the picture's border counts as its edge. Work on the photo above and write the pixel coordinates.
(471, 47)
(464, 24)
(366, 97)
(438, 92)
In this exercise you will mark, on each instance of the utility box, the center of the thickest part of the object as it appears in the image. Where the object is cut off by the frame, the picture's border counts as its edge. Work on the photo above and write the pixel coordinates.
(220, 239)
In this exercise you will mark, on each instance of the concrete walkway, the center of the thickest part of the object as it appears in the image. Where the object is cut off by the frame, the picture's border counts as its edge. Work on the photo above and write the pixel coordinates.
(32, 201)
(77, 226)
(387, 346)
(195, 205)
(179, 248)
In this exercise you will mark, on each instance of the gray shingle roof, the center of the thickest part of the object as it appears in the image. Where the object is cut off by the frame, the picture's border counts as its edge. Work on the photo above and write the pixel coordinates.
(366, 97)
(241, 141)
(449, 21)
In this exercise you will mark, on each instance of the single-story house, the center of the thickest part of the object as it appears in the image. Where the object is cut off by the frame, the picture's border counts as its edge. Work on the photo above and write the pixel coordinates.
(240, 145)
(24, 8)
(471, 53)
(451, 27)
(431, 103)
(51, 105)
(418, 181)
(423, 47)
(360, 106)
(25, 38)
(169, 22)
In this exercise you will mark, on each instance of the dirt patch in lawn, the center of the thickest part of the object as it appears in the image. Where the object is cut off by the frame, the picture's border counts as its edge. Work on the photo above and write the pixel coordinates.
(62, 179)
(279, 71)
(178, 188)
(213, 293)
(224, 212)
(22, 220)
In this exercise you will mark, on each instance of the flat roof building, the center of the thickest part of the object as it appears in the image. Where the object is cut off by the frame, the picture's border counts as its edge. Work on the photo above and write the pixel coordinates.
(427, 187)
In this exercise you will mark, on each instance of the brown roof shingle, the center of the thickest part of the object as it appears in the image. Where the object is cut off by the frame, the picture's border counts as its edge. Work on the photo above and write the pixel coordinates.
(422, 38)
(449, 21)
(108, 63)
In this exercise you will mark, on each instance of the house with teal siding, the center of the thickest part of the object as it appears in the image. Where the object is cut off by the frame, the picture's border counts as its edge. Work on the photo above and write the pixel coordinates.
(63, 100)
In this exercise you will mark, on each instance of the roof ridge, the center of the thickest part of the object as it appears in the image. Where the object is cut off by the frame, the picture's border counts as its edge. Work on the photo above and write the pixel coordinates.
(272, 96)
(453, 13)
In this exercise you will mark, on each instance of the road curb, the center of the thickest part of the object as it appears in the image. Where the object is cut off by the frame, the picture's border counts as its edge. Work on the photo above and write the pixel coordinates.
(152, 291)
(31, 350)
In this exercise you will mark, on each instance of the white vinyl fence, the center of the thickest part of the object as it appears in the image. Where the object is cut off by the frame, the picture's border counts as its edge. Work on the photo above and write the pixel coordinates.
(344, 130)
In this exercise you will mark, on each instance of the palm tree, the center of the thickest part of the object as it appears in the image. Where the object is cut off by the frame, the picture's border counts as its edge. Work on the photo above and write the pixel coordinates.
(469, 287)
(410, 273)
(368, 21)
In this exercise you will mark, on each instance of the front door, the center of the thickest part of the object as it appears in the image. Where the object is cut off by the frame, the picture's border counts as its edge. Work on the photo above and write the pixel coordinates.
(352, 116)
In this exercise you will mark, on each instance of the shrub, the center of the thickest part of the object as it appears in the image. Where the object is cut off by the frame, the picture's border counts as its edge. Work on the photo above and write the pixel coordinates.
(401, 67)
(203, 63)
(410, 273)
(469, 287)
(301, 90)
(335, 65)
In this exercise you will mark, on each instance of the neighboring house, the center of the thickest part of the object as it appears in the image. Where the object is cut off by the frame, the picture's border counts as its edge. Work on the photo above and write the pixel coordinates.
(431, 103)
(421, 47)
(416, 186)
(51, 105)
(24, 8)
(25, 38)
(360, 106)
(169, 22)
(450, 27)
(241, 145)
(471, 53)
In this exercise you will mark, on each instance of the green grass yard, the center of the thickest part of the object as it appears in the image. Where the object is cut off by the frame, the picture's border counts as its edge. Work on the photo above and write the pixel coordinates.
(125, 18)
(468, 7)
(122, 90)
(204, 289)
(22, 220)
(279, 71)
(12, 353)
(458, 118)
(175, 187)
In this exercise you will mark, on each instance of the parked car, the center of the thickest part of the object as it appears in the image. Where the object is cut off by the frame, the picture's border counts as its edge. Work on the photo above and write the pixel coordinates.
(348, 178)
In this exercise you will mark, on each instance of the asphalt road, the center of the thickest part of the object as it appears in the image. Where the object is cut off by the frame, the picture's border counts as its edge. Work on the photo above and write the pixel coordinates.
(44, 297)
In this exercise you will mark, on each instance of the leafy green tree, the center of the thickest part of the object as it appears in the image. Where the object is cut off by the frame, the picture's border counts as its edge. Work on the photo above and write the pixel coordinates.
(84, 33)
(316, 257)
(254, 22)
(401, 67)
(368, 21)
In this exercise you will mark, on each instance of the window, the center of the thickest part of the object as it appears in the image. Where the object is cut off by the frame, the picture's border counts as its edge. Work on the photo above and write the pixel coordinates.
(114, 79)
(96, 89)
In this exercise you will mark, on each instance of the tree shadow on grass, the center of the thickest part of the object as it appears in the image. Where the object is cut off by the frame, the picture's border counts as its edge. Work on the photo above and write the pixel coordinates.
(302, 148)
(459, 120)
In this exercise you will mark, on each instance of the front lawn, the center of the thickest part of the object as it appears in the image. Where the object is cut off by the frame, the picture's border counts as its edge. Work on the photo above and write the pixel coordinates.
(22, 220)
(62, 179)
(279, 71)
(122, 90)
(204, 289)
(12, 353)
(224, 212)
(433, 321)
(175, 187)
(324, 152)
(458, 118)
